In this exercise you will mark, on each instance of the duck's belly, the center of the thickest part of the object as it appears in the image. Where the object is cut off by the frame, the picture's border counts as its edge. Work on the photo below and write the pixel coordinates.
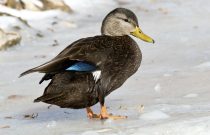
(71, 90)
(75, 102)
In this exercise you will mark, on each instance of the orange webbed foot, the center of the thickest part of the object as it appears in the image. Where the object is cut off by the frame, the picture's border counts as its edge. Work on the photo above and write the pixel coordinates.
(104, 115)
(91, 114)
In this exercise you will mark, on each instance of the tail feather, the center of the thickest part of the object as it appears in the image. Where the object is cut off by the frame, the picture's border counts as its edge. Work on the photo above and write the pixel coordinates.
(50, 67)
(35, 69)
(27, 72)
(46, 77)
(37, 100)
(40, 68)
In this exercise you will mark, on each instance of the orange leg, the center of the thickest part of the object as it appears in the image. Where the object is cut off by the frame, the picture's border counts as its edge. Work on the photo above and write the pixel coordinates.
(104, 114)
(90, 113)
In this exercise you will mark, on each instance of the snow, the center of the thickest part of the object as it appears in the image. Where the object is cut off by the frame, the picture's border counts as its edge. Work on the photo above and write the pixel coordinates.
(203, 65)
(90, 133)
(30, 15)
(154, 115)
(157, 87)
(172, 83)
(191, 95)
(51, 124)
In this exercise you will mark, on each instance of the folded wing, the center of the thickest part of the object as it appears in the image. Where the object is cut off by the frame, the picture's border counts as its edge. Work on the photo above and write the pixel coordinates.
(82, 55)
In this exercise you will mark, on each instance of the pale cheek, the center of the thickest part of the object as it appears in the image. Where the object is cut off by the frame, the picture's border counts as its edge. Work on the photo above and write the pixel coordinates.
(132, 28)
(116, 26)
(128, 28)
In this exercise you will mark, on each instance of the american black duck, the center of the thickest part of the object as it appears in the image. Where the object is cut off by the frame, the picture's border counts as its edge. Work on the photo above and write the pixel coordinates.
(89, 69)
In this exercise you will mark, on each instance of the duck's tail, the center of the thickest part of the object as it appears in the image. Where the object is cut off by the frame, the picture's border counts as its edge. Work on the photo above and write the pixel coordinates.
(28, 72)
(51, 66)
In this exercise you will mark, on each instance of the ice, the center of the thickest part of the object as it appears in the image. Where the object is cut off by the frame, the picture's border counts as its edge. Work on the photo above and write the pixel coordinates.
(154, 115)
(103, 130)
(167, 75)
(203, 65)
(90, 133)
(191, 95)
(2, 98)
(172, 83)
(51, 124)
(157, 87)
(176, 128)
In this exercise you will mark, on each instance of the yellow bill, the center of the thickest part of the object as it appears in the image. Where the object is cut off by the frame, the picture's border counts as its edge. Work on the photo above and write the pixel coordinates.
(139, 34)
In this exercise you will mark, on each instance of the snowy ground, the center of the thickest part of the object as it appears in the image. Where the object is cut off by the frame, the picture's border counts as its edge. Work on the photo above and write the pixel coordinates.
(173, 82)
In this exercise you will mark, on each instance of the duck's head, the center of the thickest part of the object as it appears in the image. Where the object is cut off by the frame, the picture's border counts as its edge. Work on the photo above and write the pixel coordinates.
(120, 22)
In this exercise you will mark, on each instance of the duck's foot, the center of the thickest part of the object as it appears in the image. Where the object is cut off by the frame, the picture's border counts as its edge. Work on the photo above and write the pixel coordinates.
(104, 115)
(90, 113)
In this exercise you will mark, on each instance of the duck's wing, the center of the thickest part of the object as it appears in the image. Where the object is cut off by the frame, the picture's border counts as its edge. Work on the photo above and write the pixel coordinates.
(82, 55)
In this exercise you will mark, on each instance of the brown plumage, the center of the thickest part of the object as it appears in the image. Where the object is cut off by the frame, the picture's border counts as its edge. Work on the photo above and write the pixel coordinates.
(120, 59)
(111, 58)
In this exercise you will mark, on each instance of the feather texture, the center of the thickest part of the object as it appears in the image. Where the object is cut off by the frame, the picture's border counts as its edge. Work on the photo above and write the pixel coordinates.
(102, 64)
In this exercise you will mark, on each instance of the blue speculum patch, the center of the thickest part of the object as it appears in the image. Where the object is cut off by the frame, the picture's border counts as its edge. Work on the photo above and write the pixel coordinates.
(81, 66)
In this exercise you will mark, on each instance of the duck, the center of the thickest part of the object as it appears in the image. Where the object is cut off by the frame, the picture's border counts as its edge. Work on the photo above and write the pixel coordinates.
(89, 69)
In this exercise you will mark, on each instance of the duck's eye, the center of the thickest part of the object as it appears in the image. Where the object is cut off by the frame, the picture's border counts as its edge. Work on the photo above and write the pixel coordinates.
(126, 20)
